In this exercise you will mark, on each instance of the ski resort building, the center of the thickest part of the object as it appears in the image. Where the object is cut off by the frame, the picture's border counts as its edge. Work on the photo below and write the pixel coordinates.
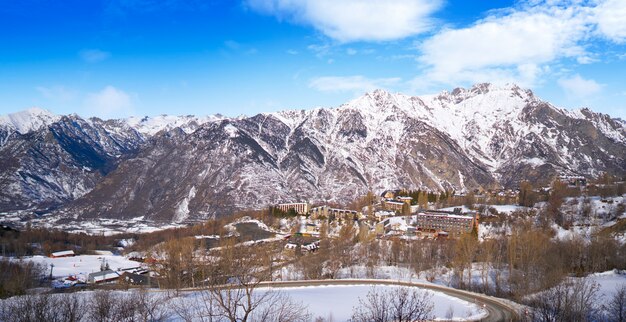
(393, 205)
(334, 213)
(430, 223)
(451, 223)
(102, 277)
(301, 208)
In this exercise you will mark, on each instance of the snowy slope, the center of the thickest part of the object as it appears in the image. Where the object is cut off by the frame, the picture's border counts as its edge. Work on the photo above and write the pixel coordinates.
(28, 120)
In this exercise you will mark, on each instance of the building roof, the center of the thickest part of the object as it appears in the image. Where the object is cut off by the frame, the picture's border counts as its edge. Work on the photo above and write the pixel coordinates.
(103, 276)
(63, 253)
(445, 215)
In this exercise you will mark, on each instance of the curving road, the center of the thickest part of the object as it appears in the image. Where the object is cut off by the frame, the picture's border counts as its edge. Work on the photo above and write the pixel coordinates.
(497, 310)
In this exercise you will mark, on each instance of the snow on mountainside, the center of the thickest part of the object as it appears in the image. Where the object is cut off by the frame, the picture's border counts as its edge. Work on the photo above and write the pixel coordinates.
(152, 125)
(186, 167)
(28, 120)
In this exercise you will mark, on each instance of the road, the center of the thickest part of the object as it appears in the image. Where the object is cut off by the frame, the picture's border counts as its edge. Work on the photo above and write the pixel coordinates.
(498, 310)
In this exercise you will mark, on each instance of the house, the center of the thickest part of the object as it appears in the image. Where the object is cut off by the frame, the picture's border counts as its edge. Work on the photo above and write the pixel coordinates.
(102, 277)
(64, 253)
(389, 194)
(394, 226)
(382, 214)
(103, 252)
(311, 247)
(134, 270)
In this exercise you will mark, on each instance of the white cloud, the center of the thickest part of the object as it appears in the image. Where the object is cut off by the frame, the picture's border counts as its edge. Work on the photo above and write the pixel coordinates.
(356, 84)
(521, 44)
(355, 20)
(109, 102)
(93, 55)
(578, 87)
(512, 44)
(611, 19)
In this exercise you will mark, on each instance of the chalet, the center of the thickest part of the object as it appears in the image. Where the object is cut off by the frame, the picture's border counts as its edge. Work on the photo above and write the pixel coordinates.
(301, 208)
(389, 194)
(64, 253)
(102, 277)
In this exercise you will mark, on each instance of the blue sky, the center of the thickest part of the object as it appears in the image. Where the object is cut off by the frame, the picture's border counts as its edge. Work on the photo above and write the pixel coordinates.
(116, 58)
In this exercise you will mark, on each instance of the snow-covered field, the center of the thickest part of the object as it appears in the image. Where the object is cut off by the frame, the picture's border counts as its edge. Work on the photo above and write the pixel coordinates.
(81, 265)
(338, 301)
(608, 283)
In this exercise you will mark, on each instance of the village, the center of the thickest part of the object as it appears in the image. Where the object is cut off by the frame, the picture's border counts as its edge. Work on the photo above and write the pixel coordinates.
(393, 214)
(440, 237)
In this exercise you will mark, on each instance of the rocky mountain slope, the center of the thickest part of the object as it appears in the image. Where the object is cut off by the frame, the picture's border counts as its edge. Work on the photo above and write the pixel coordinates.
(177, 168)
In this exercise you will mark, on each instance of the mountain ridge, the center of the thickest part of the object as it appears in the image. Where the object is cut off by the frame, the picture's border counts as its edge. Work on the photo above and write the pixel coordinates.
(178, 168)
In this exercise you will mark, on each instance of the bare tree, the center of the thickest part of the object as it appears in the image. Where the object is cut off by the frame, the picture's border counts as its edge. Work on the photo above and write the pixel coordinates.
(568, 301)
(465, 251)
(398, 304)
(526, 195)
(279, 307)
(71, 307)
(150, 308)
(232, 291)
(616, 308)
(102, 306)
(30, 308)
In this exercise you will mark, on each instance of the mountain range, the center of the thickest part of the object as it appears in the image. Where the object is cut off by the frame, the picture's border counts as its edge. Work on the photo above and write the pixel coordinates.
(178, 168)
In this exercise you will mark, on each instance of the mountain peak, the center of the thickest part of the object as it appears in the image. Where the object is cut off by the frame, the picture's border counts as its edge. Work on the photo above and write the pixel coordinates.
(28, 120)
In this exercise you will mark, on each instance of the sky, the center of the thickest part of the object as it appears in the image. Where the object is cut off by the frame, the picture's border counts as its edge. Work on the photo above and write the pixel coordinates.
(118, 58)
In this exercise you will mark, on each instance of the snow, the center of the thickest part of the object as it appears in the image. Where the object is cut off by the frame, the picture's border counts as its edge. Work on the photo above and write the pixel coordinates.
(534, 161)
(508, 209)
(231, 130)
(338, 301)
(608, 283)
(182, 211)
(81, 265)
(155, 124)
(29, 120)
(464, 209)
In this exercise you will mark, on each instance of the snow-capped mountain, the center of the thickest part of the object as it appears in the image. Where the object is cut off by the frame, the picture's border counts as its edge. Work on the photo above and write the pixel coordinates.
(152, 125)
(28, 120)
(24, 121)
(175, 168)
